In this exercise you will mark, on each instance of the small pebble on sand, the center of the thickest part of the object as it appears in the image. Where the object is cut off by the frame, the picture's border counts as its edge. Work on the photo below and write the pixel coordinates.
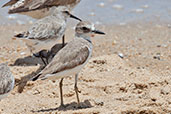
(92, 14)
(102, 4)
(145, 6)
(139, 10)
(117, 6)
(11, 17)
(121, 55)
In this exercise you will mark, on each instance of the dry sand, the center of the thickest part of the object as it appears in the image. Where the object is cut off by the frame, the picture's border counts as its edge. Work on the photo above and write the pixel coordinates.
(139, 83)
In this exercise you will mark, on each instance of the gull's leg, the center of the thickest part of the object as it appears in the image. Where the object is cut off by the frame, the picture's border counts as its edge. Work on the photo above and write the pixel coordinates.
(63, 40)
(61, 92)
(76, 89)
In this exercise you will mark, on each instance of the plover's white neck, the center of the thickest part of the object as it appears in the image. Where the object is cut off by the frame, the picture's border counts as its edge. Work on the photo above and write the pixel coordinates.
(84, 36)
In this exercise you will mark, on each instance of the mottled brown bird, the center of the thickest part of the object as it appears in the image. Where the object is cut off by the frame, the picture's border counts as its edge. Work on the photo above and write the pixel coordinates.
(37, 8)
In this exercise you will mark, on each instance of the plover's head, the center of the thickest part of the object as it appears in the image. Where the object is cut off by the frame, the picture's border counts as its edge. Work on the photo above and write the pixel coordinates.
(88, 29)
(64, 11)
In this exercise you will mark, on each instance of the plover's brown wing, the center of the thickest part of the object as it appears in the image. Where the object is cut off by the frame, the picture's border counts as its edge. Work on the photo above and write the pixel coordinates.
(71, 56)
(30, 5)
(26, 5)
(70, 3)
(61, 2)
(10, 3)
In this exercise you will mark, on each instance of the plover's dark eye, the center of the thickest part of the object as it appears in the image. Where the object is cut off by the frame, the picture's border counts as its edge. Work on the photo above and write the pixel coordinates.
(85, 28)
(66, 12)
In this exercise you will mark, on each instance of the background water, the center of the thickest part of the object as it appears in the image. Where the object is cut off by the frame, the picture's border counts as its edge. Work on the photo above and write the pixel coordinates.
(108, 11)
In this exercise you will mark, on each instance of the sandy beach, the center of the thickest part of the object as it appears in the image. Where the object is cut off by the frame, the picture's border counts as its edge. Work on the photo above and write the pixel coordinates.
(129, 73)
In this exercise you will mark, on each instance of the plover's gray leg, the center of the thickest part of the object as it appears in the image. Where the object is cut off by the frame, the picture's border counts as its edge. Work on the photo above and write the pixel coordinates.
(76, 89)
(63, 40)
(45, 64)
(43, 54)
(61, 92)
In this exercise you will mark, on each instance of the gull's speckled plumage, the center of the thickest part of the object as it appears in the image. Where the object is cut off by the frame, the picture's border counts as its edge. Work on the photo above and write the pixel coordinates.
(6, 80)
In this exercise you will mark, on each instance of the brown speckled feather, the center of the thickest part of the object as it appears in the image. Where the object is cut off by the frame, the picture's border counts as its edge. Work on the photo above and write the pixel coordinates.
(31, 5)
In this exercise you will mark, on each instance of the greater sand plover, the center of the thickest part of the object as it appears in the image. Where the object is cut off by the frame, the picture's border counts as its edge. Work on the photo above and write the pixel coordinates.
(72, 58)
(44, 33)
(37, 8)
(6, 80)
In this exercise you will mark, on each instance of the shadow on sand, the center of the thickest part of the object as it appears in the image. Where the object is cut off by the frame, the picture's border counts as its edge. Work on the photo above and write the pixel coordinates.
(33, 61)
(23, 82)
(27, 61)
(70, 106)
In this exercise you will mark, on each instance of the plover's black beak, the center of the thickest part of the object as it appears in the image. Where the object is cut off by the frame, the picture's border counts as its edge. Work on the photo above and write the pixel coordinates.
(74, 17)
(98, 32)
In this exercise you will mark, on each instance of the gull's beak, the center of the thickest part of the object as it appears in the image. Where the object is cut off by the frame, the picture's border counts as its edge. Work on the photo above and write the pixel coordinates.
(74, 17)
(98, 32)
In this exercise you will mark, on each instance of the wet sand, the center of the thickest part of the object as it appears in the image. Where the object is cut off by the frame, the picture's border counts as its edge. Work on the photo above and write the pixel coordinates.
(138, 83)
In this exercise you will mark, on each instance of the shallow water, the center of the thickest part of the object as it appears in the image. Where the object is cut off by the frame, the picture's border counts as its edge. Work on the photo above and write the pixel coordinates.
(109, 11)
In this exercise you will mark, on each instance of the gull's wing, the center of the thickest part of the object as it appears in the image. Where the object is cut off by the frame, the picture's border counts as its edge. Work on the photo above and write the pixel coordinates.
(45, 28)
(71, 56)
(30, 5)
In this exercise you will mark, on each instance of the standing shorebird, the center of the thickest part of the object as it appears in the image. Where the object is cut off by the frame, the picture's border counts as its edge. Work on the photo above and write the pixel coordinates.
(6, 80)
(72, 58)
(37, 8)
(44, 33)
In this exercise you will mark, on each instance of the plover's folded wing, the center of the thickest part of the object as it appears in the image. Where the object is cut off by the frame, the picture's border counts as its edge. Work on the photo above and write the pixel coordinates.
(70, 3)
(60, 2)
(45, 29)
(30, 5)
(65, 59)
(26, 5)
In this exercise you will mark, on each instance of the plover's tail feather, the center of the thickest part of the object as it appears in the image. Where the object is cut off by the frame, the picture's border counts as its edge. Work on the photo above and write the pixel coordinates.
(10, 3)
(36, 77)
(21, 35)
